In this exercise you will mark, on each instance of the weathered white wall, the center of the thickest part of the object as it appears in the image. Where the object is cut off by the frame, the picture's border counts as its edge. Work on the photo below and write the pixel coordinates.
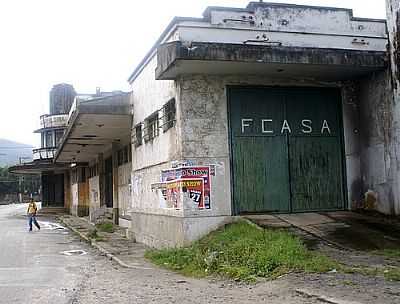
(288, 25)
(94, 197)
(378, 154)
(351, 126)
(393, 25)
(74, 199)
(124, 189)
(300, 19)
(153, 156)
(203, 129)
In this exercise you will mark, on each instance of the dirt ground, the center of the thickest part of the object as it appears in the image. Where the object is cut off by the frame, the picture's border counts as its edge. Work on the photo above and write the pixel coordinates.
(108, 283)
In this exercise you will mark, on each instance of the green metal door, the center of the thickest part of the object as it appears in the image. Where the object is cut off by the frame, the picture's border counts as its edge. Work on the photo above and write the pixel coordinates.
(286, 149)
(315, 149)
(260, 156)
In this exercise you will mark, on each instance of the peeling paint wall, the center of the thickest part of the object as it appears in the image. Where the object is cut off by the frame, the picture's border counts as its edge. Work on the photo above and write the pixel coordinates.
(203, 129)
(393, 24)
(285, 25)
(155, 155)
(74, 199)
(124, 189)
(378, 158)
(351, 126)
(94, 198)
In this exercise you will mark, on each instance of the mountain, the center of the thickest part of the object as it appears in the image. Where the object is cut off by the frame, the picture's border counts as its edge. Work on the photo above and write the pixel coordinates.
(11, 151)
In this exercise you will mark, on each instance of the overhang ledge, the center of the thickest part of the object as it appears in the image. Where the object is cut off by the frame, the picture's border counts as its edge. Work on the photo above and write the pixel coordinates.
(176, 58)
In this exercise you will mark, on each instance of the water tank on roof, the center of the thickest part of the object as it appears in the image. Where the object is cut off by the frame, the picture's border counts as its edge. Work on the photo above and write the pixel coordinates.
(61, 98)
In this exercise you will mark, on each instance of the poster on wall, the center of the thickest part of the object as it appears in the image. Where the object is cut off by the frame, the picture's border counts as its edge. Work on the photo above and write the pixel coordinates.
(189, 185)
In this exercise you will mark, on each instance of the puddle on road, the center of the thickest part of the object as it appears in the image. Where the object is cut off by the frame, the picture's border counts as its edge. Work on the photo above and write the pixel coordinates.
(74, 252)
(51, 226)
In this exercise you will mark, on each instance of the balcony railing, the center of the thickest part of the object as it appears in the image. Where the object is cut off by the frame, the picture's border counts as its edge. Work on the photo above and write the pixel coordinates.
(44, 153)
(53, 121)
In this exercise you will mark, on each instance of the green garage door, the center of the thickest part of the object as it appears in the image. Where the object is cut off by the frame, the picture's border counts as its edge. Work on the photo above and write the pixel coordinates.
(286, 149)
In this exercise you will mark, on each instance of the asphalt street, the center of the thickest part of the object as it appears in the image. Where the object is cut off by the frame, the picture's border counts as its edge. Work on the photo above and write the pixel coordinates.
(34, 266)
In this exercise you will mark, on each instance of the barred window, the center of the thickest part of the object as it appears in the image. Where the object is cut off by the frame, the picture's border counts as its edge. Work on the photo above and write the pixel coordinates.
(123, 155)
(59, 135)
(93, 171)
(74, 176)
(138, 140)
(151, 127)
(169, 113)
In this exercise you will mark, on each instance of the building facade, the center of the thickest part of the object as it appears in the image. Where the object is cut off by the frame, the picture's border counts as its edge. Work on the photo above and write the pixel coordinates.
(278, 108)
(272, 108)
(51, 129)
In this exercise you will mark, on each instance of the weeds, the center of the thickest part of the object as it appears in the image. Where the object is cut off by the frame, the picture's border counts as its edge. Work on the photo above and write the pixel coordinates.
(93, 235)
(242, 251)
(392, 274)
(105, 227)
(389, 253)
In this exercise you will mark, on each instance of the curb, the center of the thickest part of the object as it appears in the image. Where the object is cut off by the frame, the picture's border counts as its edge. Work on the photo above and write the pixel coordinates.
(94, 244)
(104, 251)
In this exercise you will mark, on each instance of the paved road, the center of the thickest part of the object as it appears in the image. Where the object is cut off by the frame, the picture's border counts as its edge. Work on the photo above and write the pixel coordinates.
(34, 270)
(32, 267)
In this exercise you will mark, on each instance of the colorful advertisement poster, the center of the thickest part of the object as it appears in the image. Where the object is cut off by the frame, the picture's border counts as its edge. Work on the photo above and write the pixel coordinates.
(192, 182)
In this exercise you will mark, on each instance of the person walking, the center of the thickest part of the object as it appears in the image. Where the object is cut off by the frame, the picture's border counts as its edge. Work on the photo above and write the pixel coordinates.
(32, 209)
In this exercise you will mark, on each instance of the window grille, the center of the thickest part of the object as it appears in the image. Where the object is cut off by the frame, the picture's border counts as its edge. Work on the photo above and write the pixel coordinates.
(169, 112)
(138, 139)
(151, 127)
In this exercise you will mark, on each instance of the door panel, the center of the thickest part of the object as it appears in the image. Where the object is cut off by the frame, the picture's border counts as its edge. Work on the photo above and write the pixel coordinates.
(315, 171)
(315, 162)
(261, 175)
(286, 149)
(260, 156)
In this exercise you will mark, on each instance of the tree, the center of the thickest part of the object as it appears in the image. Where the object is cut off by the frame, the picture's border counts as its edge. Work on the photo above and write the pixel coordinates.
(11, 183)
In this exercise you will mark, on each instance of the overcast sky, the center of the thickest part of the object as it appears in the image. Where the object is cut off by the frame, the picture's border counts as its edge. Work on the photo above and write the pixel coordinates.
(89, 44)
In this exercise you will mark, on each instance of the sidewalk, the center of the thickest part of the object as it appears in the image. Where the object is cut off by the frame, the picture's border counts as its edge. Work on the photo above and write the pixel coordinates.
(114, 246)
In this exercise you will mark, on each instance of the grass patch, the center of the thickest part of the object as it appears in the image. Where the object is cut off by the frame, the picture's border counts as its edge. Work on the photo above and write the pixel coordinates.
(392, 274)
(93, 235)
(390, 253)
(242, 251)
(105, 227)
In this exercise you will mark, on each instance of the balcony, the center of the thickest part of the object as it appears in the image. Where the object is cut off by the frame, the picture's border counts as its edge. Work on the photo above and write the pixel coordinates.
(52, 121)
(44, 153)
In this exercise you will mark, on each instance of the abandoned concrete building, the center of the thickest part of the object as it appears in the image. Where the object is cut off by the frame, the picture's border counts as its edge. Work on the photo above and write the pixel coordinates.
(51, 130)
(272, 108)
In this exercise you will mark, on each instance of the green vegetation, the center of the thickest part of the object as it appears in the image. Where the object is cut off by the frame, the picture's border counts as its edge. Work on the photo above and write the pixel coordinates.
(11, 183)
(243, 251)
(105, 227)
(93, 235)
(392, 274)
(390, 253)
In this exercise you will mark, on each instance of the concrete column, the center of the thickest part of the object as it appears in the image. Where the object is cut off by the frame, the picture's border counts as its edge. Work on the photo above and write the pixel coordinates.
(67, 191)
(393, 22)
(100, 162)
(115, 148)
